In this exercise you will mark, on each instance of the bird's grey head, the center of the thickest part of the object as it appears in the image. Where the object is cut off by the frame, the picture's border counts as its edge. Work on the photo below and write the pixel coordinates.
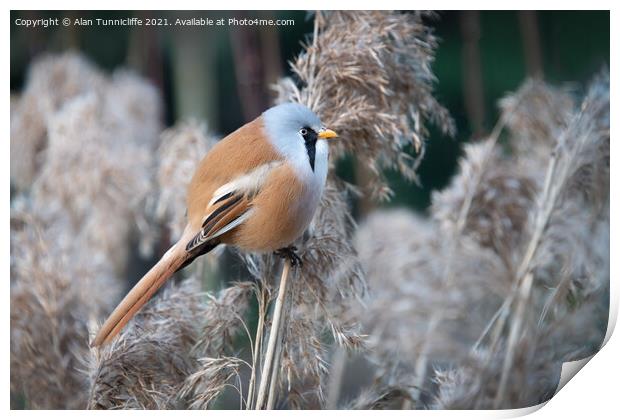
(290, 118)
(296, 132)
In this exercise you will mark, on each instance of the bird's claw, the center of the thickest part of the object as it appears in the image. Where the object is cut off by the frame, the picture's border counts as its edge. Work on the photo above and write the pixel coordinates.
(290, 253)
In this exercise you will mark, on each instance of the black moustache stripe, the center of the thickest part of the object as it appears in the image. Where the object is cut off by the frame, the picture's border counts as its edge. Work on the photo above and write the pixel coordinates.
(310, 139)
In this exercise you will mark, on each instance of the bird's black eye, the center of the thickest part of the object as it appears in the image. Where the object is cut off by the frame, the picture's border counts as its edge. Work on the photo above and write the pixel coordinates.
(303, 132)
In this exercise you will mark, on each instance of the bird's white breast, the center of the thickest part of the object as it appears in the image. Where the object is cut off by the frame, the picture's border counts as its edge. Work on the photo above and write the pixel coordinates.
(321, 163)
(312, 180)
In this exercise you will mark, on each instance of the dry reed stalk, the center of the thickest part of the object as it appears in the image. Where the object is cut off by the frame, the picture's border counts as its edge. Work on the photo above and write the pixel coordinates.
(513, 336)
(569, 156)
(550, 245)
(261, 295)
(314, 294)
(452, 239)
(554, 317)
(275, 371)
(266, 383)
(549, 107)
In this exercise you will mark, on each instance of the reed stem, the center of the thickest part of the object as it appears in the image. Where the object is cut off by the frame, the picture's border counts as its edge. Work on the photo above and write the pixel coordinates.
(262, 304)
(273, 382)
(273, 336)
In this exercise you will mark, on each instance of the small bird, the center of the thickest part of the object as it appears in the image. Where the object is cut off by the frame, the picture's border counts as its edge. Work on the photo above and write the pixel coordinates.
(256, 189)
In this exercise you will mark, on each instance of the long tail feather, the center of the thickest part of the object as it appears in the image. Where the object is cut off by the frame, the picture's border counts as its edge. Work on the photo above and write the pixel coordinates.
(137, 297)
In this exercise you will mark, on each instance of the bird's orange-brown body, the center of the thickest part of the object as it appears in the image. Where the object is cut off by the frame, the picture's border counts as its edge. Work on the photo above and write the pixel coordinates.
(251, 190)
(277, 224)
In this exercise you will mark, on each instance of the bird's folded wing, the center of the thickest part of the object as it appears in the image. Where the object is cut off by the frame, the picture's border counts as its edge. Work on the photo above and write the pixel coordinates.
(226, 215)
(231, 205)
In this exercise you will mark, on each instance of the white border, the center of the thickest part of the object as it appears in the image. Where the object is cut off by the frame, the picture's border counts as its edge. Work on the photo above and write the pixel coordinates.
(593, 395)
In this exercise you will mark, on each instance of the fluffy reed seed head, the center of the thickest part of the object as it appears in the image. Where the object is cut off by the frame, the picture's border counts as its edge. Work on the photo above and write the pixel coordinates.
(368, 75)
(146, 365)
(56, 290)
(567, 308)
(74, 214)
(565, 236)
(537, 113)
(52, 81)
(171, 354)
(501, 196)
(98, 163)
(403, 256)
(220, 321)
(182, 148)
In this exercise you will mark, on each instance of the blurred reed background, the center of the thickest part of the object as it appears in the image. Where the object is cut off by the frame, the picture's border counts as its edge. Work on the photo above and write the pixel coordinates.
(483, 55)
(491, 271)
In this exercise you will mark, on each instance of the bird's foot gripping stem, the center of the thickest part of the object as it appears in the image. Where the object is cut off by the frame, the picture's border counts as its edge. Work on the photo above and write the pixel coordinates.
(290, 253)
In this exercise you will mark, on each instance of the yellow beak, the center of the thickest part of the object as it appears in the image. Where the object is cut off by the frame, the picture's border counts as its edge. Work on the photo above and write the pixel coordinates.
(326, 134)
